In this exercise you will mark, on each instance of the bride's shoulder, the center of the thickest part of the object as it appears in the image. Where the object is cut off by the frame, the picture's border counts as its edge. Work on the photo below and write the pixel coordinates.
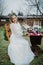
(11, 23)
(14, 24)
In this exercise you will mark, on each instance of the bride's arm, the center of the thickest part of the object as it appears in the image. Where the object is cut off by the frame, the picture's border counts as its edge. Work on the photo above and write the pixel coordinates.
(20, 31)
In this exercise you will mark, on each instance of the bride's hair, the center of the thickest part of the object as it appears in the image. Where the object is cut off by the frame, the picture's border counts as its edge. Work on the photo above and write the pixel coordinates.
(12, 15)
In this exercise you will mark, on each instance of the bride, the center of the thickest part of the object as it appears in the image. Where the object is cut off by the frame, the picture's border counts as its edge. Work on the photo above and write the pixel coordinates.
(19, 49)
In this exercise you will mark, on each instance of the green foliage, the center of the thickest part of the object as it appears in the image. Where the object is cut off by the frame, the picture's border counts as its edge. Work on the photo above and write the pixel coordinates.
(5, 37)
(42, 27)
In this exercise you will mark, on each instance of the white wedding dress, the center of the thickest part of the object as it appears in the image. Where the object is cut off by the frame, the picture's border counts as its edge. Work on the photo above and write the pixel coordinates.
(19, 49)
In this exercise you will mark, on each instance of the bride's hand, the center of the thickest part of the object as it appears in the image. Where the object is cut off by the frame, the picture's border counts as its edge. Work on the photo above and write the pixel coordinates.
(27, 34)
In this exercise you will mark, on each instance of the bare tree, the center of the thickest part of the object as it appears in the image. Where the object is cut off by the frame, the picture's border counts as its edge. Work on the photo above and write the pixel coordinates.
(38, 4)
(2, 7)
(20, 13)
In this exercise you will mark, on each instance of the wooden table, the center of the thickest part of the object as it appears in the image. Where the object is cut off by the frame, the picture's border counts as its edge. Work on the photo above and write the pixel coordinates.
(35, 40)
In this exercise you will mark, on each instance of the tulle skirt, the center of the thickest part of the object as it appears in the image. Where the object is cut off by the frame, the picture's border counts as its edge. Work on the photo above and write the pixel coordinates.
(19, 51)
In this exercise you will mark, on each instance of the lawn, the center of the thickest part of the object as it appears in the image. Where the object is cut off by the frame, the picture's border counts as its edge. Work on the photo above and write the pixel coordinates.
(4, 59)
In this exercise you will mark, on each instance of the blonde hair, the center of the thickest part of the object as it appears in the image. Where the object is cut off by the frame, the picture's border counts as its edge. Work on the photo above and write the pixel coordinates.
(12, 16)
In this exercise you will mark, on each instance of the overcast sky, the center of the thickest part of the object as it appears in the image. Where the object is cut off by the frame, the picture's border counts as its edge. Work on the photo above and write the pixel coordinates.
(19, 5)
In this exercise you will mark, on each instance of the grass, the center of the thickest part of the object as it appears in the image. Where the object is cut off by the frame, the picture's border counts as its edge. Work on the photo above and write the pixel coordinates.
(4, 59)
